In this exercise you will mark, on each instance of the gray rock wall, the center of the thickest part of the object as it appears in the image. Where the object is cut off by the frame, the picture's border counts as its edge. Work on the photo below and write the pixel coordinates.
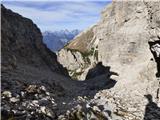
(127, 39)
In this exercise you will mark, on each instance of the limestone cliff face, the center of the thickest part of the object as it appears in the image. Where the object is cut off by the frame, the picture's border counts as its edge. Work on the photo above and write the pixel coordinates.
(126, 39)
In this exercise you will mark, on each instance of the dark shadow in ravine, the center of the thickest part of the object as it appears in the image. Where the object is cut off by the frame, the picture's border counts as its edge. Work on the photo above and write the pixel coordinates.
(98, 78)
(98, 70)
(155, 50)
(152, 111)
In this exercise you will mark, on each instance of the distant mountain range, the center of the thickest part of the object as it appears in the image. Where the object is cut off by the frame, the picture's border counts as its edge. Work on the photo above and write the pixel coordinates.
(58, 39)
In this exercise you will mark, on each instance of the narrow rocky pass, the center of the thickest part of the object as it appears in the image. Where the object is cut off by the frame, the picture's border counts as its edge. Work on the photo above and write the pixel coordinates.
(110, 71)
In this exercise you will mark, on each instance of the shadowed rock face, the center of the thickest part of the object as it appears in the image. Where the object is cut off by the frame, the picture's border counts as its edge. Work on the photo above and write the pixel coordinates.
(99, 70)
(22, 44)
(152, 111)
(155, 49)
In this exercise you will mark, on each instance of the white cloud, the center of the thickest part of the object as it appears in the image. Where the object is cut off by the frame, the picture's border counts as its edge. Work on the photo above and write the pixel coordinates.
(66, 15)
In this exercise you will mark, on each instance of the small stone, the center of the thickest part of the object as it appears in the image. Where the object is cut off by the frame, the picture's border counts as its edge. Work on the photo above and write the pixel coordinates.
(32, 89)
(7, 94)
(43, 88)
(44, 102)
(17, 96)
(14, 99)
(47, 112)
(63, 103)
(61, 117)
(24, 104)
(88, 106)
(53, 102)
(47, 93)
(32, 113)
(18, 113)
(35, 103)
(36, 95)
(95, 108)
(22, 94)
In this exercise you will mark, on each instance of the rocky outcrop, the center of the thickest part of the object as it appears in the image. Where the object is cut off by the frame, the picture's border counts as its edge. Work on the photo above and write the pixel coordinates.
(127, 40)
(80, 55)
(78, 63)
(22, 44)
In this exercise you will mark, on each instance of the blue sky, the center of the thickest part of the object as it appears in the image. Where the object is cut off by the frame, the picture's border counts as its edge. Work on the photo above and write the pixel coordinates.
(58, 15)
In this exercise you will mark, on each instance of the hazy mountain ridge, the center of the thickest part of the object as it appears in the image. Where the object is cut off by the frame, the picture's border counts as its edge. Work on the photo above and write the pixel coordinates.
(58, 39)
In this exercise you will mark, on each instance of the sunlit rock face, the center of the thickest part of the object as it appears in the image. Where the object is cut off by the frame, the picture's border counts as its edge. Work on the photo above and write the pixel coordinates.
(80, 54)
(126, 39)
